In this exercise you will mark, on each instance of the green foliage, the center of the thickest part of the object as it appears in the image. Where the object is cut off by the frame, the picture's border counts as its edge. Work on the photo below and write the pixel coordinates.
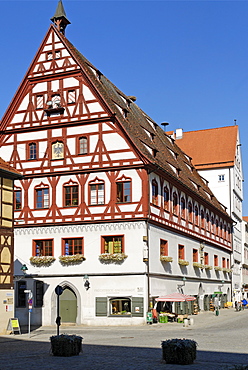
(66, 345)
(179, 351)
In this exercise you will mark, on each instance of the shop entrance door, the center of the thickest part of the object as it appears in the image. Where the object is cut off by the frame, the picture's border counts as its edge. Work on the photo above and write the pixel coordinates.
(68, 306)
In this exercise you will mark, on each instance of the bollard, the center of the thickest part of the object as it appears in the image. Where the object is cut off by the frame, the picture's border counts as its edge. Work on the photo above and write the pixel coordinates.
(191, 321)
(185, 322)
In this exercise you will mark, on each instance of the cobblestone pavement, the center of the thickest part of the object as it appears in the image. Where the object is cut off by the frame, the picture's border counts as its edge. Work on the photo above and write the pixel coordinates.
(222, 344)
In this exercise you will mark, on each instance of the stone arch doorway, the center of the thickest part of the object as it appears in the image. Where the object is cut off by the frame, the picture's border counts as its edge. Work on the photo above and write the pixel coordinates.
(68, 306)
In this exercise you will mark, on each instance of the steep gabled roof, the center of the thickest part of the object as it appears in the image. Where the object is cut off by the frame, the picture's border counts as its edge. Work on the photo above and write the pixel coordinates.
(211, 148)
(11, 171)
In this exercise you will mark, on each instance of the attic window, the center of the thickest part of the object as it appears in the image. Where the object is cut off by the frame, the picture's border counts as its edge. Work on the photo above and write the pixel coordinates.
(57, 54)
(154, 152)
(125, 112)
(71, 97)
(49, 56)
(39, 101)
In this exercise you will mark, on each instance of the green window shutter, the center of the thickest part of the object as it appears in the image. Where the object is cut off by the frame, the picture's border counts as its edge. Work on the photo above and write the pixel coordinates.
(101, 306)
(138, 306)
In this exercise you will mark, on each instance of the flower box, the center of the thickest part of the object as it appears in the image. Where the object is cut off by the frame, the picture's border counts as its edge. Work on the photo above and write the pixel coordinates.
(225, 269)
(208, 267)
(183, 262)
(166, 259)
(66, 345)
(179, 351)
(217, 268)
(112, 257)
(198, 265)
(42, 260)
(72, 259)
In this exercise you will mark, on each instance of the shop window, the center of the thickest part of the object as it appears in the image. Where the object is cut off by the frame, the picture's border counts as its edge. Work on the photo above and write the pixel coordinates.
(120, 306)
(43, 247)
(21, 295)
(72, 246)
(38, 293)
(163, 247)
(112, 244)
(123, 191)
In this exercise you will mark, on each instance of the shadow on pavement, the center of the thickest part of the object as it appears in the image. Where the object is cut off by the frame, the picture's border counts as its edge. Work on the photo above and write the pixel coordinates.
(16, 353)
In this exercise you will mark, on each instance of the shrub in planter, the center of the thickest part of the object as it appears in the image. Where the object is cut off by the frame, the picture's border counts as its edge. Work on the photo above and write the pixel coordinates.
(66, 345)
(179, 351)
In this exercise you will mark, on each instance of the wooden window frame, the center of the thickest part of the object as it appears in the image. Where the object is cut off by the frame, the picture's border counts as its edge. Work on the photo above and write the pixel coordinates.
(181, 252)
(103, 247)
(71, 92)
(223, 262)
(183, 207)
(38, 293)
(166, 198)
(41, 188)
(42, 99)
(216, 260)
(29, 153)
(202, 218)
(86, 138)
(154, 192)
(121, 182)
(66, 249)
(19, 190)
(164, 250)
(195, 255)
(196, 215)
(42, 252)
(175, 205)
(190, 212)
(74, 201)
(206, 258)
(96, 183)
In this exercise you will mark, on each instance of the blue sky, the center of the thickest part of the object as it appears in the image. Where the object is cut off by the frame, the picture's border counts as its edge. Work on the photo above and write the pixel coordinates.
(185, 61)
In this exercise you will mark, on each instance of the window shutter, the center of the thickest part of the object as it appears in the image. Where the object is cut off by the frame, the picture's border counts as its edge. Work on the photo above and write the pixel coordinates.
(137, 306)
(101, 306)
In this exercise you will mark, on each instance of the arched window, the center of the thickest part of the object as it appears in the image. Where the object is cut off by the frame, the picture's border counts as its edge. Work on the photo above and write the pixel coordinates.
(32, 151)
(175, 203)
(190, 211)
(196, 215)
(154, 192)
(217, 227)
(207, 221)
(202, 219)
(166, 198)
(212, 225)
(183, 209)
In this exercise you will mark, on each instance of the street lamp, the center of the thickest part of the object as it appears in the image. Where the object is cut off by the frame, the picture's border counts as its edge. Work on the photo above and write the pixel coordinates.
(180, 286)
(86, 282)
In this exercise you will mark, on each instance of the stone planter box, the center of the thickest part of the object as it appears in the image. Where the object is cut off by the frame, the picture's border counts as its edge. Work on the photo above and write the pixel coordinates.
(179, 351)
(66, 345)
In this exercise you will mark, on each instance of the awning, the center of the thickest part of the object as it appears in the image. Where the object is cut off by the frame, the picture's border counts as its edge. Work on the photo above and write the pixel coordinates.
(175, 297)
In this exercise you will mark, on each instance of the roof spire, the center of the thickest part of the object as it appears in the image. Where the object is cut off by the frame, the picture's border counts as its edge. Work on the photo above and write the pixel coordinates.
(59, 18)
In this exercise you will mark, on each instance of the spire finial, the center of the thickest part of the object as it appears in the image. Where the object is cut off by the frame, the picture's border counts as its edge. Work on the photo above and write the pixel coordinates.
(59, 18)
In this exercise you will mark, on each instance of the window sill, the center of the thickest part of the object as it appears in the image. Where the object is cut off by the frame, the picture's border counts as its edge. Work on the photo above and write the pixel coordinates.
(198, 265)
(166, 259)
(112, 257)
(42, 261)
(183, 262)
(72, 259)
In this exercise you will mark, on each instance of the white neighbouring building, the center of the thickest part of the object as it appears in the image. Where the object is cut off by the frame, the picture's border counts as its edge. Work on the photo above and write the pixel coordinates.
(216, 154)
(106, 198)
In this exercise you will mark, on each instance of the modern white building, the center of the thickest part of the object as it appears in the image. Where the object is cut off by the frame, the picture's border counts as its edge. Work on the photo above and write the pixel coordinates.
(109, 207)
(216, 154)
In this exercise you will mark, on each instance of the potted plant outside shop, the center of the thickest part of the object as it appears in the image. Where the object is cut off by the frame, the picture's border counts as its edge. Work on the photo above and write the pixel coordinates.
(66, 345)
(179, 351)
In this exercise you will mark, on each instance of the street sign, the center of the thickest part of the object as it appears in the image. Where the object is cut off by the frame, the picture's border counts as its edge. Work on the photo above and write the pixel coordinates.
(58, 290)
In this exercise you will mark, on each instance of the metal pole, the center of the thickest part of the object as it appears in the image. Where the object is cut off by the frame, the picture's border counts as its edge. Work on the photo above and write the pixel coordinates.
(29, 319)
(58, 323)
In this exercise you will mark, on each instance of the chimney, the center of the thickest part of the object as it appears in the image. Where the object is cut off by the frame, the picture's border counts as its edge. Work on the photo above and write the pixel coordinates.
(179, 133)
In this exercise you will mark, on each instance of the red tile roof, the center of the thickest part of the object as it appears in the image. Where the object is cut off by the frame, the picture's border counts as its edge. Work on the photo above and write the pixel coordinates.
(4, 166)
(210, 148)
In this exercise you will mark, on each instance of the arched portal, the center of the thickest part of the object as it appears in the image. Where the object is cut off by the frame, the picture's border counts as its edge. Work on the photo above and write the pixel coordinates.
(68, 306)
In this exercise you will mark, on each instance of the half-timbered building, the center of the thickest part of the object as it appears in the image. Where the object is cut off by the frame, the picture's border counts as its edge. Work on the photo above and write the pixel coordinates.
(110, 208)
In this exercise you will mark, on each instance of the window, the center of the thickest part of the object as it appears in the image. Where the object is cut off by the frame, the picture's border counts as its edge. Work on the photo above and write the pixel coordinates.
(206, 259)
(123, 191)
(223, 262)
(21, 296)
(195, 255)
(96, 193)
(71, 195)
(228, 263)
(43, 247)
(216, 262)
(112, 244)
(207, 222)
(17, 199)
(221, 177)
(32, 151)
(57, 54)
(181, 252)
(42, 197)
(83, 145)
(72, 246)
(183, 210)
(196, 216)
(71, 97)
(154, 192)
(166, 198)
(58, 150)
(120, 306)
(163, 247)
(202, 219)
(217, 227)
(49, 56)
(38, 293)
(190, 210)
(175, 203)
